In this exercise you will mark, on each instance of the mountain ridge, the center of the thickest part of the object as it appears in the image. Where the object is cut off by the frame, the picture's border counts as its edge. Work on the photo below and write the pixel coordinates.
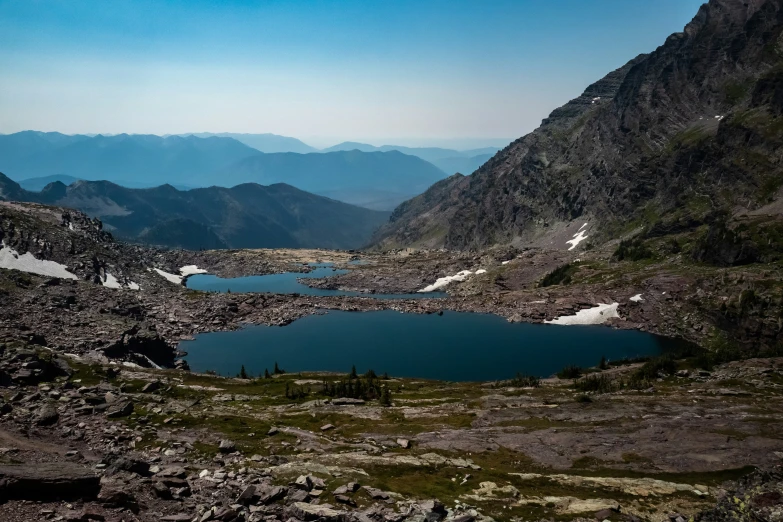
(140, 158)
(378, 179)
(263, 142)
(450, 161)
(243, 216)
(645, 146)
(341, 173)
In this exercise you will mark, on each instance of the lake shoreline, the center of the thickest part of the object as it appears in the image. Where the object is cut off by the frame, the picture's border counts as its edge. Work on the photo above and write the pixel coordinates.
(450, 346)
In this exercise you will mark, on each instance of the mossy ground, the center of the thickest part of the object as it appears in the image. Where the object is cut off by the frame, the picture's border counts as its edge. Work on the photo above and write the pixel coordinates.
(261, 404)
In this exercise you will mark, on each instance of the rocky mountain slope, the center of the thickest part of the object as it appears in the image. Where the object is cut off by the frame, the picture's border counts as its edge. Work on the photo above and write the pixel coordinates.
(675, 139)
(246, 216)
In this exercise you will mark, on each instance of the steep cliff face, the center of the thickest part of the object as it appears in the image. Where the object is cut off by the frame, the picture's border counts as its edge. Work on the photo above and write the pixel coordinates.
(667, 140)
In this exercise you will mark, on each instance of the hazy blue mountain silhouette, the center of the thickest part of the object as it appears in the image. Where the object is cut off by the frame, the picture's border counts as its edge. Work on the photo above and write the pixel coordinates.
(245, 216)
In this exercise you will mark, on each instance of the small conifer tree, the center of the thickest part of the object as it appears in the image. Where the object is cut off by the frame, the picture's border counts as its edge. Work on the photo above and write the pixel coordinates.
(385, 399)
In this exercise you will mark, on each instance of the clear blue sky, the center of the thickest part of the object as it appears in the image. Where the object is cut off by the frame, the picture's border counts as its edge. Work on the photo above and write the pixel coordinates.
(370, 70)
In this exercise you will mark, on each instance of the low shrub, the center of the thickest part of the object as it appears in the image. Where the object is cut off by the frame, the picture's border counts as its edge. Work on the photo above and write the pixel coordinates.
(561, 275)
(597, 384)
(632, 250)
(570, 372)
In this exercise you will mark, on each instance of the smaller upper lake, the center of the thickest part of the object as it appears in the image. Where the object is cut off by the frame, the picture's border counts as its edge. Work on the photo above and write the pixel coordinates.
(287, 283)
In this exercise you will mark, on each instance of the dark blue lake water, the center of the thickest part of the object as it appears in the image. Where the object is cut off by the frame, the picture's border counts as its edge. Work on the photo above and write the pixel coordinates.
(287, 283)
(456, 346)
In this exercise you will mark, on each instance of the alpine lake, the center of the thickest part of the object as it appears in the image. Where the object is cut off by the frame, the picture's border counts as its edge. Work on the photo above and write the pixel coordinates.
(450, 346)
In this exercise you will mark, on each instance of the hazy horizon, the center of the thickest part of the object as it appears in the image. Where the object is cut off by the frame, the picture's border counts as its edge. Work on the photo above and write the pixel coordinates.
(324, 142)
(428, 73)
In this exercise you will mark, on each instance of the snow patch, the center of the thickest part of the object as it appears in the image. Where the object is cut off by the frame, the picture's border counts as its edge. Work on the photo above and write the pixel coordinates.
(578, 238)
(480, 271)
(111, 281)
(191, 270)
(637, 298)
(177, 280)
(505, 262)
(596, 315)
(10, 258)
(443, 281)
(133, 286)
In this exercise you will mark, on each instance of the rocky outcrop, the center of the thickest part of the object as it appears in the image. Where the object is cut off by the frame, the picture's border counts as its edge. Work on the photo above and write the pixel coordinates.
(48, 481)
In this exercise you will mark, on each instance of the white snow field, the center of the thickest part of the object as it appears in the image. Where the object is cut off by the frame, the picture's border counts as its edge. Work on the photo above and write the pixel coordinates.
(580, 236)
(596, 315)
(191, 270)
(111, 281)
(443, 281)
(172, 278)
(10, 258)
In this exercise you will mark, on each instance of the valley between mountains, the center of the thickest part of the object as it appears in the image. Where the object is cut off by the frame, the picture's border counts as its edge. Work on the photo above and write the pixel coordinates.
(651, 203)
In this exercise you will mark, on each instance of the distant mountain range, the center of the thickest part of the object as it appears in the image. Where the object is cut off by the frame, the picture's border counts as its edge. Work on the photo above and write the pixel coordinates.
(245, 216)
(374, 177)
(425, 153)
(137, 158)
(38, 184)
(352, 176)
(449, 161)
(378, 180)
(262, 142)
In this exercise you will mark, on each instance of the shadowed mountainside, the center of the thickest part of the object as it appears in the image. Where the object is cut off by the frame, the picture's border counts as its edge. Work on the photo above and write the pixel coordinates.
(245, 216)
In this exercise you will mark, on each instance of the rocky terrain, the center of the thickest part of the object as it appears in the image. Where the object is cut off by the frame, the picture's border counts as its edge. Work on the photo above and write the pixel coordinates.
(100, 310)
(92, 429)
(85, 441)
(633, 206)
